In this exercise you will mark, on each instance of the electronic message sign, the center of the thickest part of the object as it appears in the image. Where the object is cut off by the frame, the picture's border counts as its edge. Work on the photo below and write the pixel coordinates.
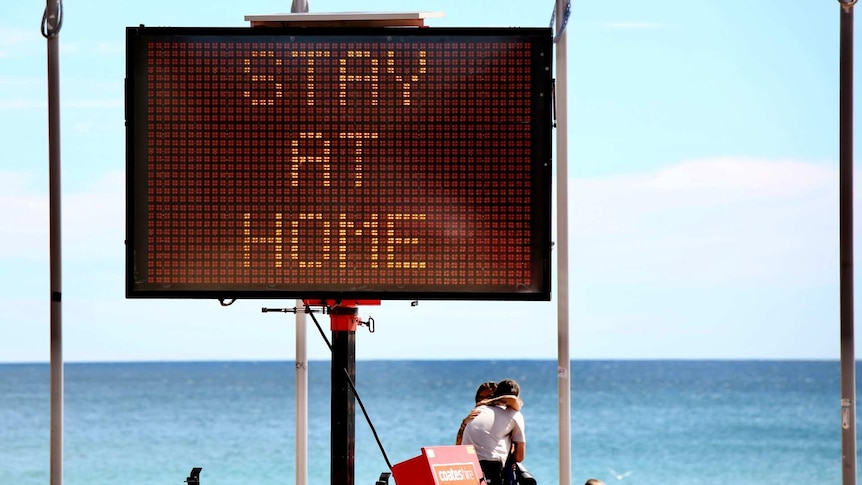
(387, 163)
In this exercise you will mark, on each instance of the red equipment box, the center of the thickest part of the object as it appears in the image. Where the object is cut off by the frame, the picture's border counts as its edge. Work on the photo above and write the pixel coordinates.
(440, 465)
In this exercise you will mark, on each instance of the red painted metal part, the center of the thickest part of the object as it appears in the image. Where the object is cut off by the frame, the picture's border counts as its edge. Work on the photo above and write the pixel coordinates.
(343, 314)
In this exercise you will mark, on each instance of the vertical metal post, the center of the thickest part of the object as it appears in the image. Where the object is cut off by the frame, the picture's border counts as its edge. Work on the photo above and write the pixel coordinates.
(56, 264)
(301, 395)
(848, 359)
(301, 6)
(343, 404)
(51, 23)
(564, 386)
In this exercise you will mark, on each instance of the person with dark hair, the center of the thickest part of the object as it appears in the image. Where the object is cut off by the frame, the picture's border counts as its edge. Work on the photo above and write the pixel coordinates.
(594, 481)
(484, 393)
(497, 431)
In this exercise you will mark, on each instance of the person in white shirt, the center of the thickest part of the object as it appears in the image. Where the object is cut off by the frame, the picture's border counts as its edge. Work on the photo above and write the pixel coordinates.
(496, 431)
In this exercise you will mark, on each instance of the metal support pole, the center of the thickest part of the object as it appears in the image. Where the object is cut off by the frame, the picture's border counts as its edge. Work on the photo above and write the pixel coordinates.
(301, 6)
(848, 360)
(301, 395)
(51, 23)
(564, 386)
(343, 405)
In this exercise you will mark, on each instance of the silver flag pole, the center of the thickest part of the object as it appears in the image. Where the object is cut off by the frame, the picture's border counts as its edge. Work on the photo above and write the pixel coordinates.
(52, 20)
(301, 6)
(564, 386)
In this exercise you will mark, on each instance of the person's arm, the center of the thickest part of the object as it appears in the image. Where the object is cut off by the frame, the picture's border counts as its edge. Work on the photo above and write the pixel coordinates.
(520, 450)
(510, 402)
(519, 438)
(460, 436)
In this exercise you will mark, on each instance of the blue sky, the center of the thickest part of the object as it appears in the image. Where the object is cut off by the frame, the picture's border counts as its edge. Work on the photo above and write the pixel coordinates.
(703, 191)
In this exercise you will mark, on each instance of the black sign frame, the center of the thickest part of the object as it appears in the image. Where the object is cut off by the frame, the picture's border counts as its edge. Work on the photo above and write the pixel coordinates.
(153, 139)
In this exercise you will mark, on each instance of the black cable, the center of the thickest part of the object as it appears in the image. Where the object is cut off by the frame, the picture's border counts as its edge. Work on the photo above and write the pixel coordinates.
(319, 329)
(368, 419)
(356, 395)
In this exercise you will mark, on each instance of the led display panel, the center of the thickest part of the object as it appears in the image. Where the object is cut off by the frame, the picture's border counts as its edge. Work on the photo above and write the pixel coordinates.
(387, 163)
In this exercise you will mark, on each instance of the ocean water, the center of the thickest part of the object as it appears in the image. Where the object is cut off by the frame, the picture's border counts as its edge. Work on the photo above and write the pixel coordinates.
(633, 422)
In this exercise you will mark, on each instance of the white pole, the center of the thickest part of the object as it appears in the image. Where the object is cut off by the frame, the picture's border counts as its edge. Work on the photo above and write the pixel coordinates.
(301, 396)
(301, 6)
(562, 248)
